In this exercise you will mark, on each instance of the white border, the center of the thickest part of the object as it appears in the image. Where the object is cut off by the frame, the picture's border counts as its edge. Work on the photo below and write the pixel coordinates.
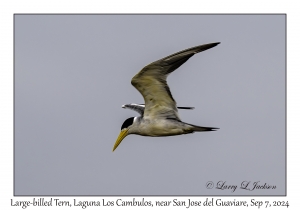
(8, 8)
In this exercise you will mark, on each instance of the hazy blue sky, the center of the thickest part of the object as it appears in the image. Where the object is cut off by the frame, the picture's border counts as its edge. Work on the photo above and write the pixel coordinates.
(72, 75)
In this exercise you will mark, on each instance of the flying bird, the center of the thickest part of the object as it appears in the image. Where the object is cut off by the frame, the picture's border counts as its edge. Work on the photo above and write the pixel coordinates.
(159, 115)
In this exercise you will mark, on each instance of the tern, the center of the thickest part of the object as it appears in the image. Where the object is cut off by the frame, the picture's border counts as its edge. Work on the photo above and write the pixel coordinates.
(159, 115)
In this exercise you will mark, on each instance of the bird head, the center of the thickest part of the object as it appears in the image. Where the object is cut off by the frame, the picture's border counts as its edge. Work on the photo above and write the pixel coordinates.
(125, 130)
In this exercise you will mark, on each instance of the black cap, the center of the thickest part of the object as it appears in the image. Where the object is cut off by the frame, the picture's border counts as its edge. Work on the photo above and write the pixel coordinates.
(127, 123)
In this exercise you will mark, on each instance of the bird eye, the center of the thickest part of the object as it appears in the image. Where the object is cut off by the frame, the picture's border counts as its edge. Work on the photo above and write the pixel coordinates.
(127, 123)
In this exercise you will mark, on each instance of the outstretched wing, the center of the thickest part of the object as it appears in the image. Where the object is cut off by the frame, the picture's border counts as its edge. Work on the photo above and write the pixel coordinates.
(151, 82)
(140, 107)
(135, 107)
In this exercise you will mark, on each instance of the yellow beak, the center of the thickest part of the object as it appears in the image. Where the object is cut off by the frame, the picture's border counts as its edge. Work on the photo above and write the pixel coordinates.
(121, 136)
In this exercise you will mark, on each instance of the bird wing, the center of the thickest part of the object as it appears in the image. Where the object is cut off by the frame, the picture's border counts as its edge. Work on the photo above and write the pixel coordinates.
(135, 107)
(151, 82)
(140, 107)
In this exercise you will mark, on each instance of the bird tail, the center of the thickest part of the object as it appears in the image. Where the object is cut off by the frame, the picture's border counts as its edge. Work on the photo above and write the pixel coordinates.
(197, 128)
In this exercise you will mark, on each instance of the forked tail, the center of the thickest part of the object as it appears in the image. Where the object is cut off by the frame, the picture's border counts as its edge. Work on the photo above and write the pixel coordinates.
(197, 128)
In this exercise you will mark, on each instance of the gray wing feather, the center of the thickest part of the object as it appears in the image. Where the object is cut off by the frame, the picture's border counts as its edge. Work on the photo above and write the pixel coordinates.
(135, 107)
(151, 82)
(141, 107)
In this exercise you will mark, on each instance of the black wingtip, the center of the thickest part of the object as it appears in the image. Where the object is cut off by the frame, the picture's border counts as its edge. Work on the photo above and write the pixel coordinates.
(205, 47)
(217, 43)
(212, 44)
(185, 107)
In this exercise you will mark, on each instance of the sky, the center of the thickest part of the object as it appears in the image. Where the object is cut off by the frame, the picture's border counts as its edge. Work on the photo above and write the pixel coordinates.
(72, 75)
